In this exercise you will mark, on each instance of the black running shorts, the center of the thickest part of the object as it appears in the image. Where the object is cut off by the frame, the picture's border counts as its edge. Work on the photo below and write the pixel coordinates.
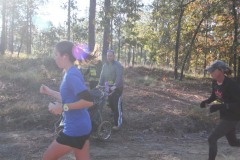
(75, 142)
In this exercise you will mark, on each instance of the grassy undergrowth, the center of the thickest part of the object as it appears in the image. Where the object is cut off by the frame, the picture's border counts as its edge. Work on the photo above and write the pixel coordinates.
(23, 107)
(21, 104)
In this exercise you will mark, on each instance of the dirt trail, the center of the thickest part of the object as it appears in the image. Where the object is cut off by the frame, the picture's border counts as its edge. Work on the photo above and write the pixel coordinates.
(134, 146)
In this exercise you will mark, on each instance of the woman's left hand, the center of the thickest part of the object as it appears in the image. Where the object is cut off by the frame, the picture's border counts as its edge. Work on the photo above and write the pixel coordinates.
(55, 108)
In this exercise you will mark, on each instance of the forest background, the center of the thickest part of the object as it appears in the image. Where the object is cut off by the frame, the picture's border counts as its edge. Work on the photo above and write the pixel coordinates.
(183, 35)
(164, 45)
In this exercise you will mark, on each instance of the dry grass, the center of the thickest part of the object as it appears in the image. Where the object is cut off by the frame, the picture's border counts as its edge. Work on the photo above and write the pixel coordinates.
(164, 104)
(22, 106)
(153, 100)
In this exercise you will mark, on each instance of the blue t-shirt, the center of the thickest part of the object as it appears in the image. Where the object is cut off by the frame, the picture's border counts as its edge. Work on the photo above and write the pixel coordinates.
(77, 122)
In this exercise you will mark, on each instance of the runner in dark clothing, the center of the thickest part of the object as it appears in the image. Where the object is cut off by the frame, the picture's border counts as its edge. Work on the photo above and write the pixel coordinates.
(227, 93)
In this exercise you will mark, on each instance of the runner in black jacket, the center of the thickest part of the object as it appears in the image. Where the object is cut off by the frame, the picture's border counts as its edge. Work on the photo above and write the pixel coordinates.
(227, 93)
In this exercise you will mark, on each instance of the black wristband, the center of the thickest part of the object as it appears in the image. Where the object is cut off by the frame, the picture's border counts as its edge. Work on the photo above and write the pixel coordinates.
(85, 95)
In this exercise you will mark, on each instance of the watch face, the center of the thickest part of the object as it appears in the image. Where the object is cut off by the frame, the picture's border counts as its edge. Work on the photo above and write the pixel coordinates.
(65, 107)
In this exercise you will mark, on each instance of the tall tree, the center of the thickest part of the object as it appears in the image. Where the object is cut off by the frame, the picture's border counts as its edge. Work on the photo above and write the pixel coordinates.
(235, 37)
(11, 37)
(91, 25)
(3, 34)
(69, 20)
(178, 39)
(131, 11)
(30, 10)
(190, 48)
(161, 36)
(106, 37)
(182, 6)
(70, 6)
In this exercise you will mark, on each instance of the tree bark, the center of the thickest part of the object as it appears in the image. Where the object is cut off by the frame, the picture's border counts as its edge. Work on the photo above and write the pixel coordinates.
(12, 29)
(107, 5)
(235, 43)
(3, 34)
(133, 56)
(190, 48)
(69, 20)
(119, 43)
(178, 41)
(91, 35)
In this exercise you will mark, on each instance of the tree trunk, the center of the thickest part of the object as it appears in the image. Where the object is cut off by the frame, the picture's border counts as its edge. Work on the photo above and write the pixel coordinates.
(20, 46)
(119, 43)
(133, 56)
(141, 55)
(12, 30)
(3, 34)
(111, 34)
(129, 56)
(30, 33)
(69, 20)
(107, 5)
(91, 35)
(205, 51)
(190, 48)
(178, 41)
(27, 26)
(235, 43)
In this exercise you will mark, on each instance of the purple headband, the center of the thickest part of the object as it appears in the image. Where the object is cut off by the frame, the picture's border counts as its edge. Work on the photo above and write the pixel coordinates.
(80, 51)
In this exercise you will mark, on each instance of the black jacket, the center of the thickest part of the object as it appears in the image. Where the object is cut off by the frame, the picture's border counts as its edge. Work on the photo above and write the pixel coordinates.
(227, 93)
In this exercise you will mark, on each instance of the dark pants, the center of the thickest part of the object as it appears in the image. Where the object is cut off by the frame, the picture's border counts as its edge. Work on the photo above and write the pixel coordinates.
(115, 103)
(224, 128)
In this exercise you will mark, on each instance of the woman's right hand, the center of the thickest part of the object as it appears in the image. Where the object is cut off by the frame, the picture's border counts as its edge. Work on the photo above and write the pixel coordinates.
(45, 89)
(55, 108)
